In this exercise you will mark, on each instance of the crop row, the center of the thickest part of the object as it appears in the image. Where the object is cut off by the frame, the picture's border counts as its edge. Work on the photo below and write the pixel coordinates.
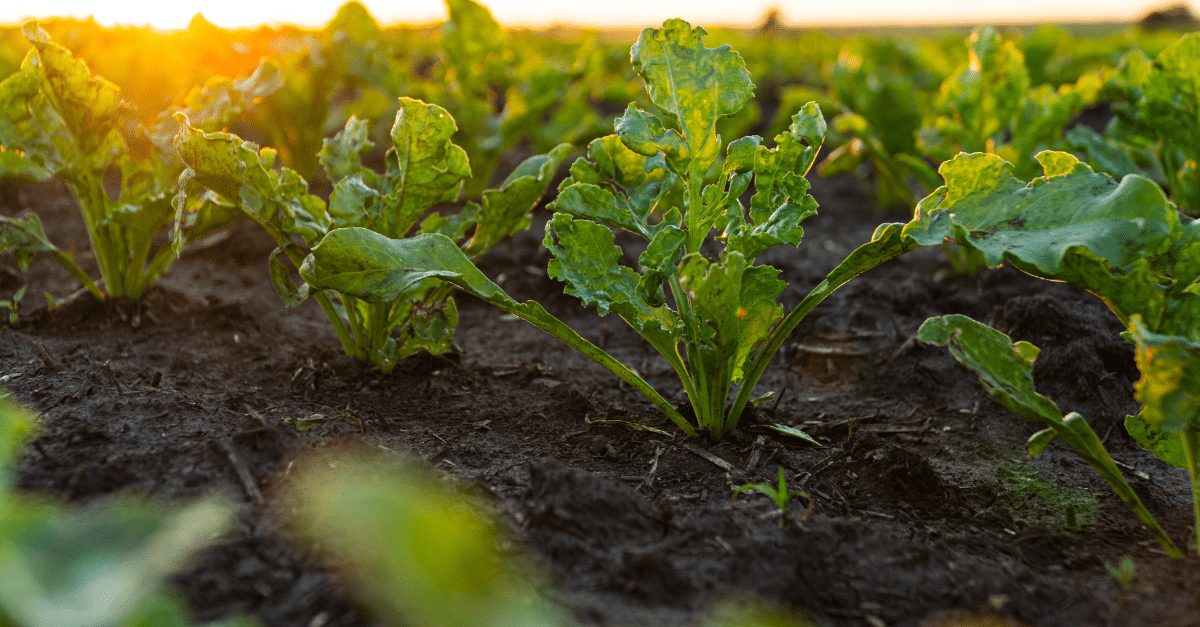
(400, 231)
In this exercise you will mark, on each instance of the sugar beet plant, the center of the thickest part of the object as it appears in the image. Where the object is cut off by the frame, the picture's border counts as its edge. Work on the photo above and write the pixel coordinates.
(661, 178)
(58, 120)
(424, 168)
(1122, 241)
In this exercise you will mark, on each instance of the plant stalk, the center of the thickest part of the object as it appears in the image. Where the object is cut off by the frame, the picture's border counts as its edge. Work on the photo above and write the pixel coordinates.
(1191, 452)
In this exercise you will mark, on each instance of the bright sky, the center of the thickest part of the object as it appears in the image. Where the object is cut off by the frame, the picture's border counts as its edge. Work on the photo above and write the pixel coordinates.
(171, 14)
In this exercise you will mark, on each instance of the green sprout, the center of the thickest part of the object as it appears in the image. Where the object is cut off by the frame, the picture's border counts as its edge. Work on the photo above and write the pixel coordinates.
(781, 495)
(1125, 574)
(13, 304)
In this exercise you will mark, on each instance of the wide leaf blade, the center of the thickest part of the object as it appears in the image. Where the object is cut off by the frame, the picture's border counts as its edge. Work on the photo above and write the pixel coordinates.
(693, 84)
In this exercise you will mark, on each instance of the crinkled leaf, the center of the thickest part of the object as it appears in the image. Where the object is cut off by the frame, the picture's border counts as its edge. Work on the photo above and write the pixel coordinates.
(1169, 389)
(90, 106)
(34, 141)
(644, 134)
(615, 186)
(591, 202)
(693, 84)
(658, 262)
(736, 302)
(341, 155)
(505, 211)
(586, 259)
(240, 173)
(354, 203)
(429, 168)
(781, 199)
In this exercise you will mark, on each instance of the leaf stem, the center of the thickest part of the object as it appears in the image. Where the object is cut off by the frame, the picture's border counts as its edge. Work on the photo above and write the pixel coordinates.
(1191, 451)
(887, 244)
(65, 261)
(536, 315)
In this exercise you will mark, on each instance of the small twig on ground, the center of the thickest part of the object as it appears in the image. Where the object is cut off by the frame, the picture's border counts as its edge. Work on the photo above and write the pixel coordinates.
(720, 463)
(243, 473)
(756, 453)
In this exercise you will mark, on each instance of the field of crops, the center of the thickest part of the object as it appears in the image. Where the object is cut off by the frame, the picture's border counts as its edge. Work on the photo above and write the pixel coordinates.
(460, 326)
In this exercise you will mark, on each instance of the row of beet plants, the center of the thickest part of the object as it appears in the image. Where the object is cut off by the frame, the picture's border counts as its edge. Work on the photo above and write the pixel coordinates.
(382, 264)
(713, 314)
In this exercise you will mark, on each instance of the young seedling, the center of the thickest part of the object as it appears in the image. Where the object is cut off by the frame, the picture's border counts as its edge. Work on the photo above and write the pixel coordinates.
(780, 494)
(1125, 574)
(712, 315)
(13, 304)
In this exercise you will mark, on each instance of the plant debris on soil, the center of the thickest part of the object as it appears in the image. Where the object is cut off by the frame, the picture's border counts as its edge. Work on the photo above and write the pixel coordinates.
(921, 508)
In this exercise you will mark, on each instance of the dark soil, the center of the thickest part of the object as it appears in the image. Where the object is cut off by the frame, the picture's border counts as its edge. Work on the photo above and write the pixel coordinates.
(923, 512)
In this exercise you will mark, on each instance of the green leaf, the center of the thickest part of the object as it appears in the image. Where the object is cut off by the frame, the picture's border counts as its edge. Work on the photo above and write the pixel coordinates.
(242, 174)
(614, 186)
(983, 206)
(24, 237)
(1006, 370)
(429, 168)
(416, 552)
(1170, 385)
(632, 426)
(97, 565)
(354, 203)
(736, 302)
(1039, 441)
(17, 427)
(291, 294)
(34, 141)
(341, 155)
(981, 99)
(505, 211)
(1167, 447)
(793, 432)
(781, 199)
(1169, 107)
(586, 259)
(644, 134)
(90, 106)
(658, 262)
(471, 37)
(693, 84)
